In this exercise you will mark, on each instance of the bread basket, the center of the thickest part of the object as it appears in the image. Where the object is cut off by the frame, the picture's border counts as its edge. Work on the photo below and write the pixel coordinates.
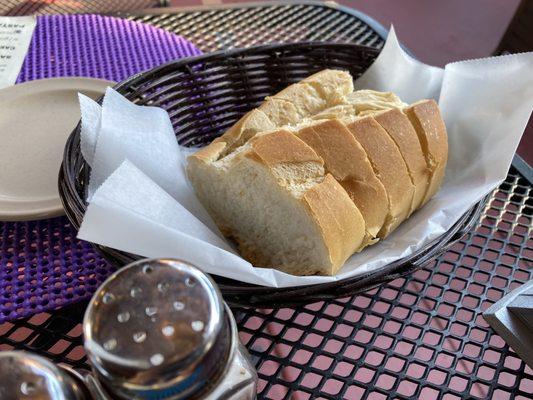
(204, 96)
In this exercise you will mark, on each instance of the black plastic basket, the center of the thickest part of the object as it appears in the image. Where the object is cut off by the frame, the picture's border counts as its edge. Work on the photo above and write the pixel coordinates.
(204, 96)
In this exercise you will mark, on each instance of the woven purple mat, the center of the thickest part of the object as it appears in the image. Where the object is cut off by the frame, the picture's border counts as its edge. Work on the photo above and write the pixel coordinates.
(42, 264)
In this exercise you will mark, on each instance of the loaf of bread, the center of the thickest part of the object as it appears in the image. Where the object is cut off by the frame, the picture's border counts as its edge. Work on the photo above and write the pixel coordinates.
(319, 171)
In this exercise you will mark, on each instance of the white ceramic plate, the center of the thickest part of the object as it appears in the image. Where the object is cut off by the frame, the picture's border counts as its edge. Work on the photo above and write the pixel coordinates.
(36, 119)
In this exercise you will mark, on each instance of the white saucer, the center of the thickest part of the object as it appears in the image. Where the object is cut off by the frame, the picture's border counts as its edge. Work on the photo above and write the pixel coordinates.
(36, 119)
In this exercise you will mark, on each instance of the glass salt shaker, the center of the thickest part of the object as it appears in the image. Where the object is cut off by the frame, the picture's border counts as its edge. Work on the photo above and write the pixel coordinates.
(158, 329)
(26, 376)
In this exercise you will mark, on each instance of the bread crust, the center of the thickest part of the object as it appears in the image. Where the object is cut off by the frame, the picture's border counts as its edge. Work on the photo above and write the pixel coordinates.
(280, 112)
(333, 85)
(343, 112)
(425, 117)
(390, 168)
(303, 99)
(209, 153)
(327, 203)
(249, 125)
(337, 217)
(281, 147)
(397, 125)
(346, 160)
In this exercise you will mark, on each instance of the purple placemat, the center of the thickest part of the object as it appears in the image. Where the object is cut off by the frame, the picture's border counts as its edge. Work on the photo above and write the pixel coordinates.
(42, 264)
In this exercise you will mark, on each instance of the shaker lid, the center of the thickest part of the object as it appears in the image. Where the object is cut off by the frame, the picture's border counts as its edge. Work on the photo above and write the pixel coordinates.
(26, 376)
(151, 322)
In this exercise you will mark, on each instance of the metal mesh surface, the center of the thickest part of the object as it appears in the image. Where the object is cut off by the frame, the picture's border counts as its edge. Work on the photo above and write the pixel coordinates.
(229, 27)
(417, 337)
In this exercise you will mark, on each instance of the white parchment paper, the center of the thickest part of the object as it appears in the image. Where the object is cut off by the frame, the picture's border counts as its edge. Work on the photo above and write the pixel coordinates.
(141, 201)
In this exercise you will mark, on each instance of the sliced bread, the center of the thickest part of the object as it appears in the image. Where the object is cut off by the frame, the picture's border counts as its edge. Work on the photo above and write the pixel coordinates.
(318, 171)
(428, 123)
(248, 126)
(390, 168)
(397, 125)
(346, 160)
(273, 197)
(288, 107)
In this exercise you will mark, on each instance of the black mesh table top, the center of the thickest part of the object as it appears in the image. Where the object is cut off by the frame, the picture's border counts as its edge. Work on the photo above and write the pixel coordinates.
(227, 27)
(422, 336)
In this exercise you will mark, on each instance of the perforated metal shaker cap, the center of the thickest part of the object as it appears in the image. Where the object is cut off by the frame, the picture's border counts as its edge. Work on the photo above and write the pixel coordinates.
(25, 376)
(157, 328)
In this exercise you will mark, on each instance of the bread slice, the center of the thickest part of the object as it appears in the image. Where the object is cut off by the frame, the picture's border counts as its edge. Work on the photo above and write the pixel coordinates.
(288, 107)
(248, 126)
(370, 102)
(361, 103)
(429, 126)
(390, 168)
(386, 108)
(345, 112)
(305, 98)
(404, 135)
(333, 85)
(318, 171)
(273, 197)
(346, 160)
(281, 112)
